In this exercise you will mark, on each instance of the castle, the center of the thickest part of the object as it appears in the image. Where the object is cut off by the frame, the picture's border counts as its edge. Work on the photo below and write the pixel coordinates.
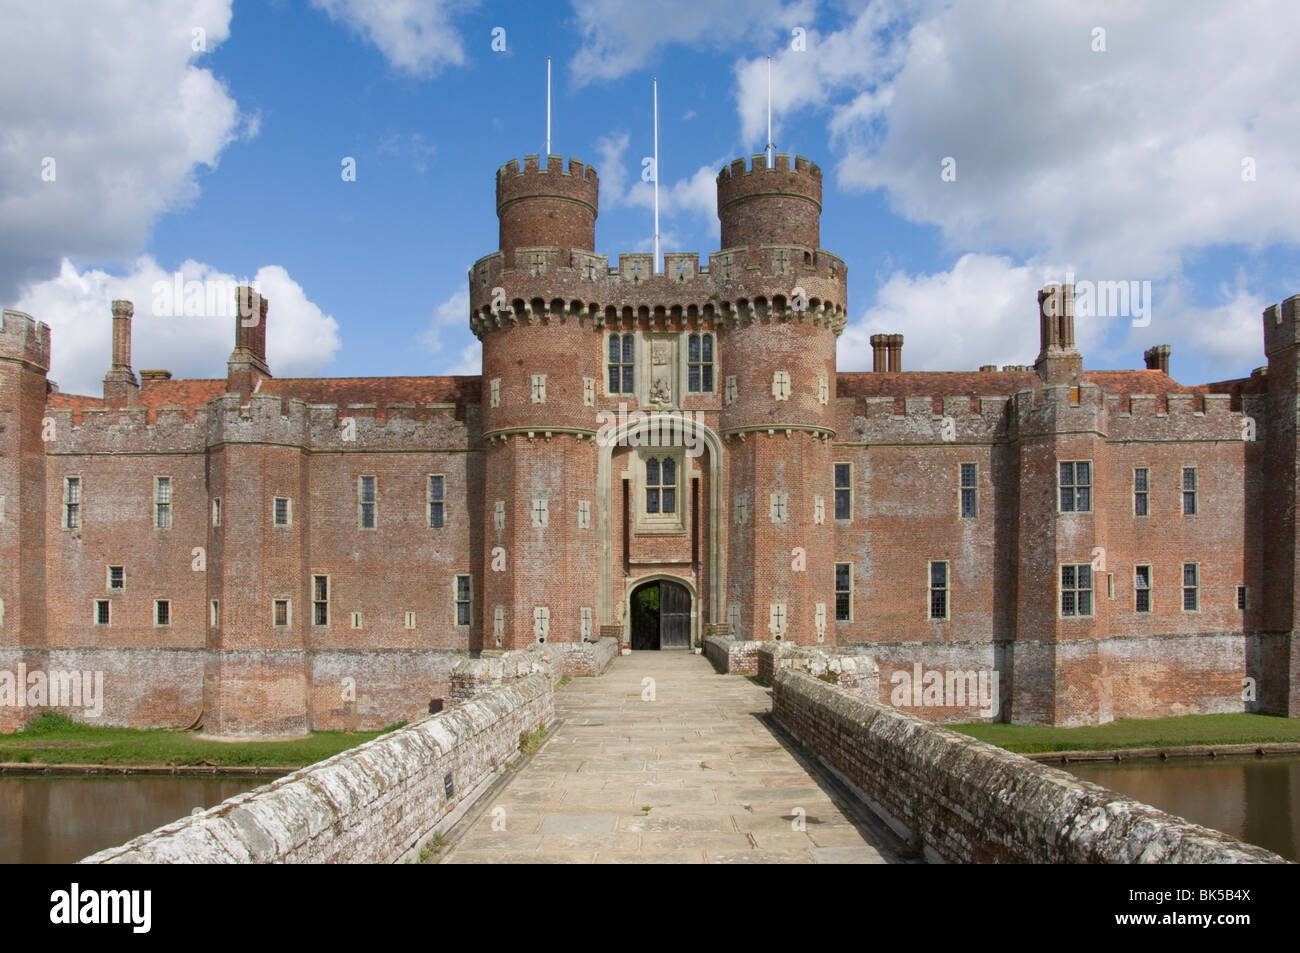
(662, 457)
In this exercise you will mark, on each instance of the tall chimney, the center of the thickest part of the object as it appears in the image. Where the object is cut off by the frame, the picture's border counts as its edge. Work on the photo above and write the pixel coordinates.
(895, 353)
(120, 384)
(1158, 358)
(1059, 362)
(247, 364)
(879, 344)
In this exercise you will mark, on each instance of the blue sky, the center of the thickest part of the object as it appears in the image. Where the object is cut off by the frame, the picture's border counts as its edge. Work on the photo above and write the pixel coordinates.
(1118, 163)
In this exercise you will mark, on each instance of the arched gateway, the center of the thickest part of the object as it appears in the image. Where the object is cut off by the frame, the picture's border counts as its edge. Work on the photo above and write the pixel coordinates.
(660, 615)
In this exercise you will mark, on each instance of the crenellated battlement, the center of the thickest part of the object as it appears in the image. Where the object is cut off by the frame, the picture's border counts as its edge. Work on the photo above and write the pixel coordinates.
(127, 430)
(1282, 325)
(736, 173)
(737, 285)
(578, 183)
(24, 338)
(925, 420)
(266, 418)
(757, 204)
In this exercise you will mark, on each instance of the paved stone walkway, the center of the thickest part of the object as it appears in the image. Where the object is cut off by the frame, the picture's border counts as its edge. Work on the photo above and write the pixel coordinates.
(693, 776)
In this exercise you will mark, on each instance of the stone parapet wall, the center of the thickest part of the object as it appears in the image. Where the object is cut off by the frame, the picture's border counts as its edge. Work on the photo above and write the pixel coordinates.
(377, 803)
(966, 801)
(732, 656)
(851, 671)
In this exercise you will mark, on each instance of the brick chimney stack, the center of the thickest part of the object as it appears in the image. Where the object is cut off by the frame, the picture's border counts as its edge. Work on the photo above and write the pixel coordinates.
(886, 353)
(1059, 361)
(1158, 358)
(247, 364)
(120, 384)
(879, 352)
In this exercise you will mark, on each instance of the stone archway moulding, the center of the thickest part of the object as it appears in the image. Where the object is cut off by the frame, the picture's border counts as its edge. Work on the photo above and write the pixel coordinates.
(605, 601)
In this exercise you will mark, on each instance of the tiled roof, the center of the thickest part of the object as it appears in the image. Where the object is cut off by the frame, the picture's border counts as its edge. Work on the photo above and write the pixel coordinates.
(342, 391)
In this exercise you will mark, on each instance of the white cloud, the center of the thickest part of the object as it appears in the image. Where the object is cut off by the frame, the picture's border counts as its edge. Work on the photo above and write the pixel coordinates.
(694, 195)
(451, 320)
(1118, 161)
(111, 94)
(983, 311)
(415, 36)
(301, 340)
(619, 38)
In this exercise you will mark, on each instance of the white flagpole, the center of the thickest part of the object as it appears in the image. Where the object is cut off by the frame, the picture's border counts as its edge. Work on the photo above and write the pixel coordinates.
(656, 96)
(548, 107)
(770, 147)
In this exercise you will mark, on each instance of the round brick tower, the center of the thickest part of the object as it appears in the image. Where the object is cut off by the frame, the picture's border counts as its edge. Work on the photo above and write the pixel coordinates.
(783, 303)
(540, 370)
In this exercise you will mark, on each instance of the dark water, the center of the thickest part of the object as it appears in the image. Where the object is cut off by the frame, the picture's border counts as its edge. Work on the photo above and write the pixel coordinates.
(1254, 799)
(61, 820)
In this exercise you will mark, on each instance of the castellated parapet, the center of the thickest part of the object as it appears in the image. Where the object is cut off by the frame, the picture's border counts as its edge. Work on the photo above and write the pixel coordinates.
(758, 205)
(770, 268)
(24, 338)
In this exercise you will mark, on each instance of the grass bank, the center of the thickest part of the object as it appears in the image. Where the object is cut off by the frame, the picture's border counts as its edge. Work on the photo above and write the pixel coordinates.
(1139, 733)
(56, 739)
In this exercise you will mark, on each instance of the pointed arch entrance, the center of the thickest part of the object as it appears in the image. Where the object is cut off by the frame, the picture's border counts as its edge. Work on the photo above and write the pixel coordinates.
(659, 615)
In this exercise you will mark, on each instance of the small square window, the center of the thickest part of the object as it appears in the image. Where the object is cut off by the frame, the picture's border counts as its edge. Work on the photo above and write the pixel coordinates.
(102, 611)
(162, 612)
(116, 577)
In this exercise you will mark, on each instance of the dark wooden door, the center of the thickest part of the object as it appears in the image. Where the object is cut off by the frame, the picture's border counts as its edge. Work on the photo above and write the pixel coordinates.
(674, 616)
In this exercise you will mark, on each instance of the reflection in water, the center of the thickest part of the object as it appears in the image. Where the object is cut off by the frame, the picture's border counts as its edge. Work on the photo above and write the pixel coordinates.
(61, 820)
(1254, 799)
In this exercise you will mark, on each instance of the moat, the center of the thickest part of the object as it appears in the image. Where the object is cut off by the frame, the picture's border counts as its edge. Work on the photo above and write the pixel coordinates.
(61, 820)
(1255, 799)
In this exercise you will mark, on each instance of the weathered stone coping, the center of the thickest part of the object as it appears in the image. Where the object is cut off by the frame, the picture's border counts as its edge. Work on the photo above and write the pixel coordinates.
(377, 803)
(966, 801)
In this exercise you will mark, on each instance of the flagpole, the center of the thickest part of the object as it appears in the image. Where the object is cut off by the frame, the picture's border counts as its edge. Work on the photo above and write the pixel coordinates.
(548, 106)
(655, 81)
(770, 147)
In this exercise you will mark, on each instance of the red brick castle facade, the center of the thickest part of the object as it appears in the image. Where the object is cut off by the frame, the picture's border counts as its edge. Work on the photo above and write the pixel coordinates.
(274, 555)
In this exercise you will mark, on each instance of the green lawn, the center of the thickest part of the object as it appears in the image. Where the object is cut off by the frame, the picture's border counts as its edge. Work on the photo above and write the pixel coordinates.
(1139, 733)
(56, 739)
